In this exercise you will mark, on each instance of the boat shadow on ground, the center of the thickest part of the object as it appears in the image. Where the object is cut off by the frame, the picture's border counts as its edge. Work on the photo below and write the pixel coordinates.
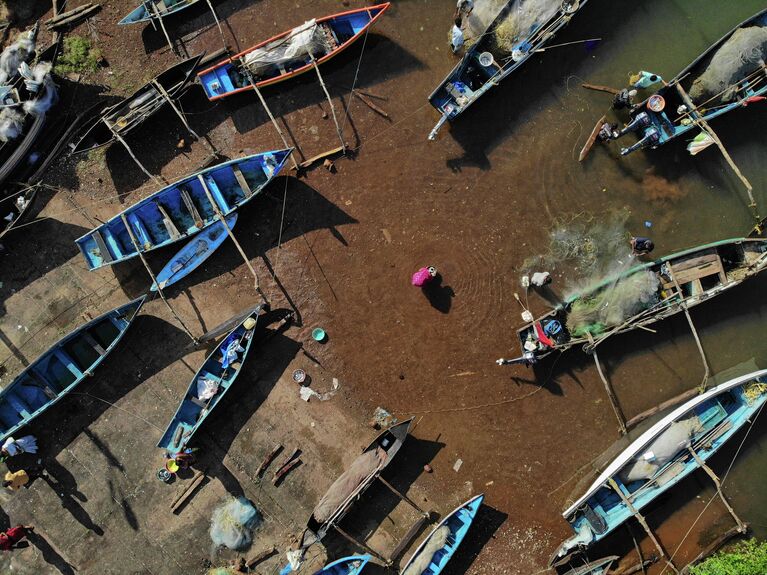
(260, 375)
(122, 371)
(376, 505)
(257, 231)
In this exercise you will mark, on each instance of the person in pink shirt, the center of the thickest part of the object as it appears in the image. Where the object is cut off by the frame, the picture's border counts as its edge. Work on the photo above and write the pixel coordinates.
(424, 276)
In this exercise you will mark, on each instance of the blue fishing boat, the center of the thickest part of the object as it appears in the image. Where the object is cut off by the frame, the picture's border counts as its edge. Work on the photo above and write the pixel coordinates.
(659, 458)
(726, 77)
(209, 385)
(520, 29)
(60, 369)
(155, 9)
(181, 209)
(194, 254)
(431, 556)
(289, 54)
(352, 565)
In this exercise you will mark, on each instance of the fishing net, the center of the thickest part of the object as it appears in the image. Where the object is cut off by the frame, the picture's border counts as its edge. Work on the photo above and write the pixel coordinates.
(309, 38)
(741, 55)
(233, 522)
(12, 57)
(613, 304)
(524, 19)
(436, 542)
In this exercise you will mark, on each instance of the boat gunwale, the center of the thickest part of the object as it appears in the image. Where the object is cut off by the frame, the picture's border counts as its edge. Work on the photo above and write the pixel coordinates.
(152, 16)
(348, 559)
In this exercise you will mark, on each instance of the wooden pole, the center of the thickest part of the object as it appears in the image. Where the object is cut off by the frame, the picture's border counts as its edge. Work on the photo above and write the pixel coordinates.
(149, 8)
(327, 95)
(169, 100)
(132, 155)
(610, 393)
(702, 124)
(162, 25)
(215, 17)
(154, 279)
(702, 464)
(707, 372)
(351, 539)
(229, 232)
(643, 523)
(402, 496)
(271, 117)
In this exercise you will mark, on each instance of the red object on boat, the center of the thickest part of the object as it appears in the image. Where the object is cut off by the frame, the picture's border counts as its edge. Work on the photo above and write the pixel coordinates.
(753, 99)
(541, 335)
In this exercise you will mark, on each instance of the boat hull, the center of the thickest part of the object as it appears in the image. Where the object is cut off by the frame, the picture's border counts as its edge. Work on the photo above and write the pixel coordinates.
(141, 15)
(352, 565)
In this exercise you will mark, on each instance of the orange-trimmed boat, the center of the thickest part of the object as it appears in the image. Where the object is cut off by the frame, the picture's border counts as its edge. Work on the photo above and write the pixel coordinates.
(288, 54)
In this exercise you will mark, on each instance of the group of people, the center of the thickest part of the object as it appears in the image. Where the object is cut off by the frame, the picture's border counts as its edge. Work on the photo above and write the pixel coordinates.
(14, 480)
(462, 10)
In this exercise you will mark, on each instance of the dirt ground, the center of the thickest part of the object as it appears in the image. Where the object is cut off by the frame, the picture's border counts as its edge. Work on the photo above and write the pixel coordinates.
(341, 258)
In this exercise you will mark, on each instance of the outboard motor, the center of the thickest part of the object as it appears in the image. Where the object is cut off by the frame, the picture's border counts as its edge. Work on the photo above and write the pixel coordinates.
(641, 120)
(651, 138)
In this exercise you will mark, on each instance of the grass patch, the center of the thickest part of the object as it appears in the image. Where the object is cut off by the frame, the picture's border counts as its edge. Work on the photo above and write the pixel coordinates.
(746, 558)
(78, 56)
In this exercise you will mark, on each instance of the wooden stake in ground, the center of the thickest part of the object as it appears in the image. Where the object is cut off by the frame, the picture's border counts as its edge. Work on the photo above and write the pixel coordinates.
(271, 117)
(229, 231)
(154, 279)
(327, 95)
(643, 523)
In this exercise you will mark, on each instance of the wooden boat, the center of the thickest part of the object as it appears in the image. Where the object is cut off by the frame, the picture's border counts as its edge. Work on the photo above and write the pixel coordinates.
(655, 128)
(181, 209)
(494, 56)
(660, 457)
(352, 565)
(154, 10)
(194, 254)
(60, 369)
(287, 55)
(354, 481)
(451, 530)
(643, 295)
(125, 116)
(219, 372)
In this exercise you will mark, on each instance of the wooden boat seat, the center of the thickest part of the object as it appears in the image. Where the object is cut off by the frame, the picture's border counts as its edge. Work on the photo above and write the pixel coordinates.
(198, 402)
(68, 362)
(693, 269)
(242, 181)
(191, 208)
(43, 384)
(18, 404)
(106, 255)
(170, 225)
(93, 343)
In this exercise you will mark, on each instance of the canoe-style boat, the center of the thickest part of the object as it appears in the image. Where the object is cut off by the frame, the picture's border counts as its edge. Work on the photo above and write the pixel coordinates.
(354, 481)
(659, 458)
(209, 385)
(155, 9)
(60, 369)
(128, 114)
(435, 551)
(516, 33)
(728, 76)
(642, 295)
(289, 54)
(352, 565)
(194, 254)
(181, 209)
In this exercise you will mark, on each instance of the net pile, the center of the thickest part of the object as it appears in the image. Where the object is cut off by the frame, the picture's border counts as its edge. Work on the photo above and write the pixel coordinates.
(525, 18)
(233, 522)
(744, 53)
(436, 542)
(309, 38)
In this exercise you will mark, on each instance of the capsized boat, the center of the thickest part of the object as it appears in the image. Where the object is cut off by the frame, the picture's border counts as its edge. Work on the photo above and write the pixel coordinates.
(194, 254)
(435, 551)
(642, 295)
(60, 369)
(352, 565)
(289, 54)
(181, 209)
(726, 77)
(660, 457)
(209, 385)
(155, 9)
(521, 28)
(354, 481)
(125, 116)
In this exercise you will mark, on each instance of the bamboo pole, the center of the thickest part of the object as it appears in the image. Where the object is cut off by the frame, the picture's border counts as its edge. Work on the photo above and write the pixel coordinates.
(351, 539)
(702, 464)
(230, 233)
(707, 373)
(327, 95)
(402, 496)
(643, 523)
(271, 117)
(154, 278)
(169, 100)
(162, 25)
(609, 389)
(132, 155)
(215, 17)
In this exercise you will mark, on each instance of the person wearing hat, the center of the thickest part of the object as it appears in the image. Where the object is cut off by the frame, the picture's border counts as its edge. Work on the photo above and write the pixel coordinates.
(641, 246)
(423, 276)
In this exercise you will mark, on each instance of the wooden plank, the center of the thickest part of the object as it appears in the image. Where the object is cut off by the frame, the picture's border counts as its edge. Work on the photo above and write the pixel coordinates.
(188, 491)
(190, 206)
(170, 225)
(408, 539)
(106, 255)
(592, 138)
(599, 88)
(93, 343)
(242, 181)
(305, 164)
(260, 557)
(268, 459)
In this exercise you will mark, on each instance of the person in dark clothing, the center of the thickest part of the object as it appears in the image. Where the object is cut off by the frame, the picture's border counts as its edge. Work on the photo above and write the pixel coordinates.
(641, 246)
